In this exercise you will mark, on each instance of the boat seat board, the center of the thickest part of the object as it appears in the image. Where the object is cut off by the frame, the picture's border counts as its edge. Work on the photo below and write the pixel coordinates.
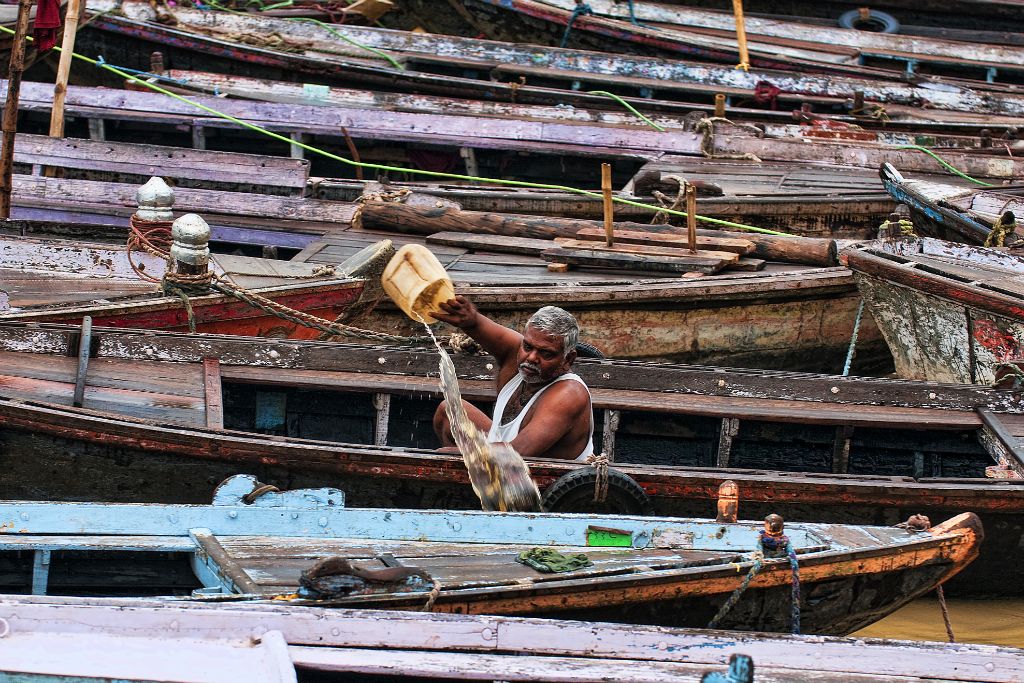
(276, 569)
(40, 289)
(163, 161)
(810, 412)
(172, 392)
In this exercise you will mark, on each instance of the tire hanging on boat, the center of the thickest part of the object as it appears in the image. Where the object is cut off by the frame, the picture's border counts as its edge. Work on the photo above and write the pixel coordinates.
(574, 492)
(876, 22)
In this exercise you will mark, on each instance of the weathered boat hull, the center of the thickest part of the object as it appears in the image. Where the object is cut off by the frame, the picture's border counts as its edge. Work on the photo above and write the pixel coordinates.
(659, 571)
(939, 329)
(218, 313)
(800, 321)
(464, 647)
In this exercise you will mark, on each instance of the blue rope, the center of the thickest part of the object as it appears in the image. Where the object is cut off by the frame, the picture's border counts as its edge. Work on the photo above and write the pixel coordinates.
(853, 339)
(167, 79)
(767, 544)
(581, 9)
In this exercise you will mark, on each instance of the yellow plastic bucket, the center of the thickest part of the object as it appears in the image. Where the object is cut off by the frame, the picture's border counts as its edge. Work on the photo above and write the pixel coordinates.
(417, 282)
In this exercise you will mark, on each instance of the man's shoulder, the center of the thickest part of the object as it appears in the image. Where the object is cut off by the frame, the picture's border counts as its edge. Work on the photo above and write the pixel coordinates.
(569, 388)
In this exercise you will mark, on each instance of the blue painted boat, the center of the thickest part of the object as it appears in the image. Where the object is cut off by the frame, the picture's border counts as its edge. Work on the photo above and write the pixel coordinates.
(953, 213)
(305, 547)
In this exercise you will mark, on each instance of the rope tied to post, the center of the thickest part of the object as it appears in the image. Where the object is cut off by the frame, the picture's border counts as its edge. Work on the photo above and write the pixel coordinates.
(770, 545)
(600, 465)
(580, 10)
(154, 238)
(706, 127)
(397, 196)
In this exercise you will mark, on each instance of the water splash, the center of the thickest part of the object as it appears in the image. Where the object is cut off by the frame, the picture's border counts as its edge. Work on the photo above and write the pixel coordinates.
(498, 474)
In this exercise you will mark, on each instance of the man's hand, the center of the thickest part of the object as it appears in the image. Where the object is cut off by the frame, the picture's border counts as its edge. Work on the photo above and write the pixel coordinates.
(459, 312)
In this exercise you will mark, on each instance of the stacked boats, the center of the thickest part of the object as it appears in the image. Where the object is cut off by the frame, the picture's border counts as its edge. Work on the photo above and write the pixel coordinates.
(230, 456)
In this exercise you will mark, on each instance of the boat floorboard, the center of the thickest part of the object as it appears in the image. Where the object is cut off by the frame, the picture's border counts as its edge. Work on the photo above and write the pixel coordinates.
(276, 567)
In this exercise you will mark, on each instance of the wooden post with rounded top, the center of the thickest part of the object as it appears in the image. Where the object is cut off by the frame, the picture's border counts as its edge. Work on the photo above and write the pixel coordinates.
(720, 106)
(728, 502)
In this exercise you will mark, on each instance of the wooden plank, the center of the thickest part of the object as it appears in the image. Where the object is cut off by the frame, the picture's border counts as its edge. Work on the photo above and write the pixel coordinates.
(496, 243)
(811, 412)
(617, 259)
(161, 160)
(653, 250)
(544, 669)
(221, 562)
(213, 394)
(739, 246)
(1011, 443)
(749, 264)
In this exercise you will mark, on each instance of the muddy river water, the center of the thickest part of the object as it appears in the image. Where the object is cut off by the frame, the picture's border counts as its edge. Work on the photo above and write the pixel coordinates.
(994, 622)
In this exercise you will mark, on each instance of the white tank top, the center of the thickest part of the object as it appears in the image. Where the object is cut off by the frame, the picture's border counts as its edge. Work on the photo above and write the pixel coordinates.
(503, 433)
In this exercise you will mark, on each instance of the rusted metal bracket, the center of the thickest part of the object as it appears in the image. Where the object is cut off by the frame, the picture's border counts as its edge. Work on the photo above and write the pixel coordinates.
(84, 348)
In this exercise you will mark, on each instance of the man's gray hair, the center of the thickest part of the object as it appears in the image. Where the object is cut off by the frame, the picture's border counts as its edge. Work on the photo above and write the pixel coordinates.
(558, 322)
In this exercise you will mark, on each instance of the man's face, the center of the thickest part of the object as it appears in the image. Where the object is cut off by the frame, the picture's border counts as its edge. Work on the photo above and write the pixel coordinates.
(541, 358)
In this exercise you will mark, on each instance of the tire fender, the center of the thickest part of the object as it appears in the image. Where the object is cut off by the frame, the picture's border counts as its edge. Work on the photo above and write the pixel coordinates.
(574, 492)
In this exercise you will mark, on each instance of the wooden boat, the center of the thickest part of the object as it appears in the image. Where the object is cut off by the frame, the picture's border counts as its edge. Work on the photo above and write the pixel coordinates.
(809, 447)
(953, 213)
(774, 44)
(462, 67)
(736, 317)
(949, 312)
(58, 281)
(233, 190)
(405, 644)
(512, 147)
(659, 571)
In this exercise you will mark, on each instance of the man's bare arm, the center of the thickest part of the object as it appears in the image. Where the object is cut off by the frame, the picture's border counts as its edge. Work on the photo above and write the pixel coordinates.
(497, 340)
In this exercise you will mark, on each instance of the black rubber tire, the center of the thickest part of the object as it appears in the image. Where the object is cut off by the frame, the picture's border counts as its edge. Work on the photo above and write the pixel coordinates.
(877, 22)
(585, 350)
(574, 492)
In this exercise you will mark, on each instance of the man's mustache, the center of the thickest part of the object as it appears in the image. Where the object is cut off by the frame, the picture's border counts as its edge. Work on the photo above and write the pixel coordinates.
(530, 367)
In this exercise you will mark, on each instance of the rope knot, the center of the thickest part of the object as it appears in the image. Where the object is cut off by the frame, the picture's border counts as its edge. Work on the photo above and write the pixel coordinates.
(600, 465)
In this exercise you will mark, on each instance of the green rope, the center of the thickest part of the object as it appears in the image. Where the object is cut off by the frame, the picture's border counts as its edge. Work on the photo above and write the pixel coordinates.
(628, 106)
(372, 50)
(398, 169)
(952, 169)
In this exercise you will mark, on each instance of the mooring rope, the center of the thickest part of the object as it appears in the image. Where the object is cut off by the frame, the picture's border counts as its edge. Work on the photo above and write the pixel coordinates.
(766, 546)
(580, 10)
(153, 237)
(600, 465)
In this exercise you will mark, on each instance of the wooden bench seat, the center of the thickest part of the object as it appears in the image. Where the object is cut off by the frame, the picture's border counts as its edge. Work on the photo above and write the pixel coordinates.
(124, 158)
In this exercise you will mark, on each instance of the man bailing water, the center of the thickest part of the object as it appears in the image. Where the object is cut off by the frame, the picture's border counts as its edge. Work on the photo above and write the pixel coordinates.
(543, 410)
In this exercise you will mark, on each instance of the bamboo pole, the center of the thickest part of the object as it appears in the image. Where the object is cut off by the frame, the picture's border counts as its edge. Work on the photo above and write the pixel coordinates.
(606, 190)
(60, 88)
(741, 35)
(10, 117)
(691, 217)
